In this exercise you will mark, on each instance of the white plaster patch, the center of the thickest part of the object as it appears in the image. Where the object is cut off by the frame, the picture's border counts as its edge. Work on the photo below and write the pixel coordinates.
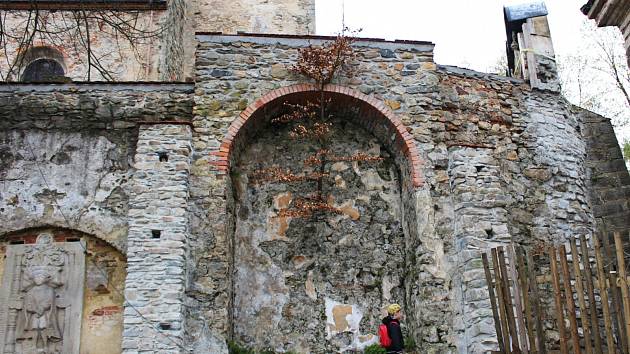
(341, 318)
(346, 318)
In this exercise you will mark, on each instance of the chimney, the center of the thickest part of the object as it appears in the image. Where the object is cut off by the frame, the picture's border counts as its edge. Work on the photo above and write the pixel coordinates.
(529, 47)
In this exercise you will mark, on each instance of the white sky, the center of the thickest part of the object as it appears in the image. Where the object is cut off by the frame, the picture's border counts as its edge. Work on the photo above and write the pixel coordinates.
(467, 33)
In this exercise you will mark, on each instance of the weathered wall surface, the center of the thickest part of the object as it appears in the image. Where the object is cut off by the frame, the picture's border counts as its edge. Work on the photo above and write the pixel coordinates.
(67, 156)
(608, 175)
(122, 60)
(71, 147)
(501, 163)
(293, 272)
(101, 322)
(255, 16)
(163, 46)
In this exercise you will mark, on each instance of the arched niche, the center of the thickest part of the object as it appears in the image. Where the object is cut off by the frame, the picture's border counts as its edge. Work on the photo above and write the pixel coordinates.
(40, 64)
(89, 274)
(319, 284)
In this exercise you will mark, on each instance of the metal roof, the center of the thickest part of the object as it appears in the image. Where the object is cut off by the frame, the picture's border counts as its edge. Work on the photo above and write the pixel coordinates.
(524, 11)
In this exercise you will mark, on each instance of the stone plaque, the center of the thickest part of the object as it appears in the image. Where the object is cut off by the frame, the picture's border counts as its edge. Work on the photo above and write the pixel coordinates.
(41, 298)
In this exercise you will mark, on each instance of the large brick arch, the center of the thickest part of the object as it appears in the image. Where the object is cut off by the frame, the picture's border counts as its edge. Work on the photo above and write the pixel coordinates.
(375, 117)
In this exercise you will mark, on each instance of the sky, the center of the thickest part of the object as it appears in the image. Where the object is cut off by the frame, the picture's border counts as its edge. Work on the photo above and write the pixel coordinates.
(467, 33)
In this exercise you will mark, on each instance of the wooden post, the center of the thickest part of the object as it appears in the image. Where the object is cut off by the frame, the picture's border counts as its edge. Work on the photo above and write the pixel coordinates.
(533, 284)
(558, 300)
(579, 287)
(624, 285)
(523, 276)
(617, 306)
(522, 329)
(502, 308)
(603, 293)
(493, 302)
(568, 296)
(586, 264)
(508, 300)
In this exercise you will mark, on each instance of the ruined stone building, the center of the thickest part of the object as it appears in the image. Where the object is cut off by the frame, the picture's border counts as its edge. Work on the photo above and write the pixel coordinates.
(129, 223)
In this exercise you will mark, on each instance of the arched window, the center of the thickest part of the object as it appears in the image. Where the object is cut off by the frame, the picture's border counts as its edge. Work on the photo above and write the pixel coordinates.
(43, 70)
(39, 64)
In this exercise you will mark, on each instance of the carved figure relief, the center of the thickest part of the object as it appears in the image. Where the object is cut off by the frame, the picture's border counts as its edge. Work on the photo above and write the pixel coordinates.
(42, 295)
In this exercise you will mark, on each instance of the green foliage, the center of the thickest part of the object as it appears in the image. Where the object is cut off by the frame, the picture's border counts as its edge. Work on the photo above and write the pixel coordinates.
(375, 349)
(410, 344)
(235, 348)
(626, 150)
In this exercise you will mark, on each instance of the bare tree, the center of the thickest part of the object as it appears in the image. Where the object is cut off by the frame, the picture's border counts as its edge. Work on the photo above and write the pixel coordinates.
(596, 76)
(98, 39)
(313, 121)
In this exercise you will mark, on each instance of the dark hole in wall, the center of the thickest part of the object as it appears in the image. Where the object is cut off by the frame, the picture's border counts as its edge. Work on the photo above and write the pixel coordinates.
(165, 326)
(163, 156)
(489, 233)
(42, 70)
(156, 233)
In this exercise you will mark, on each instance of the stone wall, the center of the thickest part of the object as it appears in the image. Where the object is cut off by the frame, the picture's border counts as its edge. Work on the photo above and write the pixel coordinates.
(168, 52)
(72, 146)
(68, 155)
(500, 163)
(474, 160)
(157, 240)
(293, 272)
(609, 180)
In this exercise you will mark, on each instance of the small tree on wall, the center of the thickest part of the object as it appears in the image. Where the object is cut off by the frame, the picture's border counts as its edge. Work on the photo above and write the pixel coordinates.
(313, 121)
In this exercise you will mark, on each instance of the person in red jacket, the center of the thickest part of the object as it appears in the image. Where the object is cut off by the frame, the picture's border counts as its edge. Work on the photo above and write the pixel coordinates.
(392, 321)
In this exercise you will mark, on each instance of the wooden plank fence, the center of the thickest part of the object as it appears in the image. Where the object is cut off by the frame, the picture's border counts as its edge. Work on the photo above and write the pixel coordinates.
(561, 299)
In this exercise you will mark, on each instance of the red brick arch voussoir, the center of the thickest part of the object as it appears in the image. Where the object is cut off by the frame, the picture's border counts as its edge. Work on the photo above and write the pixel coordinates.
(404, 140)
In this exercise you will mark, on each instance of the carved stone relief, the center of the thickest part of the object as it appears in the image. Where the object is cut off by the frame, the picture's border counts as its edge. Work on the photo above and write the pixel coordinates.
(41, 297)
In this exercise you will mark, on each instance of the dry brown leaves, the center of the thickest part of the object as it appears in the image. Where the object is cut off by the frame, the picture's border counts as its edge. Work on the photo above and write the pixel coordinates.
(276, 174)
(305, 207)
(322, 63)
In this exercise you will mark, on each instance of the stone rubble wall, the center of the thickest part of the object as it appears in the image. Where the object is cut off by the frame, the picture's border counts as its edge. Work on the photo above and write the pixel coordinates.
(157, 241)
(609, 179)
(530, 168)
(288, 271)
(492, 150)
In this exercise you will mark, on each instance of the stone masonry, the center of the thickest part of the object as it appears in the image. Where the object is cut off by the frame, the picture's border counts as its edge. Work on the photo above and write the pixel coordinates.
(157, 241)
(491, 149)
(160, 173)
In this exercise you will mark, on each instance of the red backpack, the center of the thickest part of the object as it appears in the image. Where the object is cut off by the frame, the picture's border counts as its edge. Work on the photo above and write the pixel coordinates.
(384, 336)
